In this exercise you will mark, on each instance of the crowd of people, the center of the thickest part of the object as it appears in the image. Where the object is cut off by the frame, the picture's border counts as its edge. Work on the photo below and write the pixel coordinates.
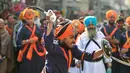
(29, 44)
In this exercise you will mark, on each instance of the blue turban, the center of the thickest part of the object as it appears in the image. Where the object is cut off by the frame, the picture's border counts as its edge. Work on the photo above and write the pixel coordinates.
(90, 20)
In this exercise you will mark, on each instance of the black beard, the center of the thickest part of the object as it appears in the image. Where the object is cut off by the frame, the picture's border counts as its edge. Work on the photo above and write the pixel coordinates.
(62, 44)
(111, 23)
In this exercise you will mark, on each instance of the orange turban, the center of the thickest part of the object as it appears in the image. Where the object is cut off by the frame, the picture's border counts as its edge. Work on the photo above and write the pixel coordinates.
(111, 13)
(79, 25)
(63, 31)
(21, 15)
(57, 30)
(128, 20)
(28, 13)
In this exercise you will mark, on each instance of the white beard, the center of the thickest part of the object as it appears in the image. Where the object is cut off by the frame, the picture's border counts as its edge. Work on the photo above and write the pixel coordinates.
(91, 33)
(37, 21)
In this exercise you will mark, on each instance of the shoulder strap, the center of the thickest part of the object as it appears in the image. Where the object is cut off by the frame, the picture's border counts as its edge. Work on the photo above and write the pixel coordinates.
(112, 33)
(93, 41)
(87, 43)
(96, 43)
(82, 60)
(32, 30)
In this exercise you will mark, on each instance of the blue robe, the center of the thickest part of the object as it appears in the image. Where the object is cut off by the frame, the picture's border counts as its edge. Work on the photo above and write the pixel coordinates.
(36, 64)
(124, 68)
(56, 62)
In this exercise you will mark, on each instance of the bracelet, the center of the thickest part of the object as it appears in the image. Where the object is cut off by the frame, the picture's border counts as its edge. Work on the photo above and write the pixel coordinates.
(27, 40)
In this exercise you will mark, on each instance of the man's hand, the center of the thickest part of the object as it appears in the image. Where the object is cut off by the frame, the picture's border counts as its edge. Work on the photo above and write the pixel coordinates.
(34, 39)
(112, 40)
(31, 40)
(108, 38)
(78, 63)
(49, 14)
(115, 41)
(109, 65)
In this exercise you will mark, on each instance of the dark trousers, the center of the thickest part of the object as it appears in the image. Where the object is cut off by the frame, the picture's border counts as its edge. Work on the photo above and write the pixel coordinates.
(124, 69)
(115, 67)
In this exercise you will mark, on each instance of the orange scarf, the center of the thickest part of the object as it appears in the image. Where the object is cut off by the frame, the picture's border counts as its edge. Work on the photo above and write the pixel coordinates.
(68, 59)
(127, 44)
(32, 47)
(111, 34)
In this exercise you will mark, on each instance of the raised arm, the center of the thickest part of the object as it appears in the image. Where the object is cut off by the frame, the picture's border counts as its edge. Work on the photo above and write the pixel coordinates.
(49, 37)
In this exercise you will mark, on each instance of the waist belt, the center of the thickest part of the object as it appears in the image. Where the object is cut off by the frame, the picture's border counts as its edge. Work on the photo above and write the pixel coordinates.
(97, 60)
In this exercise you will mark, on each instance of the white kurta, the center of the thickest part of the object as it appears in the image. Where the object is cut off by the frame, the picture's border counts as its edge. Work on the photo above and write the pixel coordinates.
(91, 67)
(74, 70)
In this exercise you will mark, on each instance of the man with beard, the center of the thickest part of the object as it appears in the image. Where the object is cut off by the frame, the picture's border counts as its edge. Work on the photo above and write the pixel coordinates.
(90, 41)
(31, 56)
(112, 34)
(60, 53)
